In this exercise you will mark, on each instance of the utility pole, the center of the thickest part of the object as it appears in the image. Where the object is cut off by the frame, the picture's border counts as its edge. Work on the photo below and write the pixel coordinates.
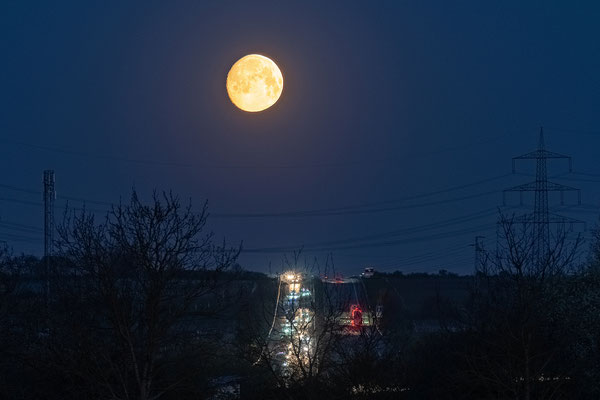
(541, 218)
(49, 197)
(478, 252)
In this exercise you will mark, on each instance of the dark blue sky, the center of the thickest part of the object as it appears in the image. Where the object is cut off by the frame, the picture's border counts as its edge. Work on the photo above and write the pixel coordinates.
(381, 101)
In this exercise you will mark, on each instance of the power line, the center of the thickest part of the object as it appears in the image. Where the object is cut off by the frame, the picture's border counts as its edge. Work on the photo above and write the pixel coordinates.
(86, 201)
(404, 231)
(586, 174)
(196, 164)
(62, 197)
(23, 202)
(20, 238)
(575, 131)
(371, 204)
(351, 211)
(411, 230)
(343, 210)
(429, 256)
(363, 208)
(422, 258)
(16, 225)
(18, 189)
(443, 235)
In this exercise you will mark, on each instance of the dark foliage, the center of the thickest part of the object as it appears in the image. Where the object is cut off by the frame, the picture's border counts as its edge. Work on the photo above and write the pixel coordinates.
(144, 305)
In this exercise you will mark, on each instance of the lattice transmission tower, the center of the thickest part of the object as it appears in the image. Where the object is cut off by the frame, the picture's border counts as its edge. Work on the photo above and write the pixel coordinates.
(49, 197)
(541, 218)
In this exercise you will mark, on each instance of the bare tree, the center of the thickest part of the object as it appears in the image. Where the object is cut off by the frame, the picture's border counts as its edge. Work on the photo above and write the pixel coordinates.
(514, 331)
(146, 273)
(580, 312)
(594, 254)
(293, 333)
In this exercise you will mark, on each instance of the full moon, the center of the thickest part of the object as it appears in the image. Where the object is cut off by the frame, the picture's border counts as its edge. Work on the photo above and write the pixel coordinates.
(254, 83)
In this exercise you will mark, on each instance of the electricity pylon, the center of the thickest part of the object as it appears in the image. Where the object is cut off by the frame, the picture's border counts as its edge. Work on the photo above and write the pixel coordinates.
(541, 218)
(49, 197)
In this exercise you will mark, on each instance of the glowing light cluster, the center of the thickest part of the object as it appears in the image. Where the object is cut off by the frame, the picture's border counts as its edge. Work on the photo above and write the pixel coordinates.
(296, 326)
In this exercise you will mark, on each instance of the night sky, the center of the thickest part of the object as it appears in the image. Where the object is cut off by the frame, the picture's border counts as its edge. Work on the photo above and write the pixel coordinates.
(390, 145)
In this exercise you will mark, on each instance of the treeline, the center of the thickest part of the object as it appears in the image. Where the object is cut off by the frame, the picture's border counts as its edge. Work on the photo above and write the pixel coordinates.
(417, 275)
(146, 304)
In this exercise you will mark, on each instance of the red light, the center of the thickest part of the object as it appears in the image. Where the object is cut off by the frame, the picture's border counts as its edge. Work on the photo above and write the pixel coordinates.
(356, 315)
